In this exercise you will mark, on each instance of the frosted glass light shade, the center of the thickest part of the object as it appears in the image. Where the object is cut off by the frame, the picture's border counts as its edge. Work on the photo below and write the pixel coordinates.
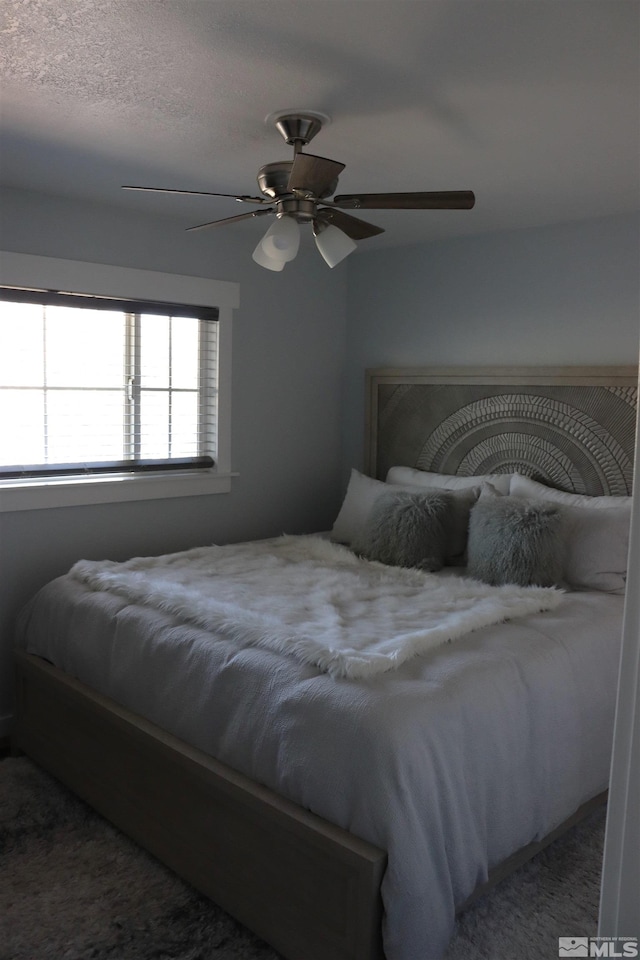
(334, 245)
(263, 260)
(282, 239)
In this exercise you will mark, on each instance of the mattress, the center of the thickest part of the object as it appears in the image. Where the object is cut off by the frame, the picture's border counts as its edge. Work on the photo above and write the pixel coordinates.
(450, 762)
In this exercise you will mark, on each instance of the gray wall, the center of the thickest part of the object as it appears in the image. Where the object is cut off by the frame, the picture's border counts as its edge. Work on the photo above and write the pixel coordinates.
(566, 294)
(288, 351)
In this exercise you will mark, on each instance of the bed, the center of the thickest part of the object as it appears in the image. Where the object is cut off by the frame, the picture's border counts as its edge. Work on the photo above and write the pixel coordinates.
(345, 801)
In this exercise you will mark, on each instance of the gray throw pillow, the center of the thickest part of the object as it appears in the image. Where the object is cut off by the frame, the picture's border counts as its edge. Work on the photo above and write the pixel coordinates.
(515, 541)
(407, 529)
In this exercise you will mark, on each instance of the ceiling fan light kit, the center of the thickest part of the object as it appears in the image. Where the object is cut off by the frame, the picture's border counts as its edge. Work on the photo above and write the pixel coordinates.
(282, 239)
(279, 245)
(297, 191)
(269, 263)
(333, 244)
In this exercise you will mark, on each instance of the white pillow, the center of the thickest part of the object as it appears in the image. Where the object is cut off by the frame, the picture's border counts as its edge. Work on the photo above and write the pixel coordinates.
(445, 481)
(362, 493)
(597, 547)
(597, 535)
(526, 487)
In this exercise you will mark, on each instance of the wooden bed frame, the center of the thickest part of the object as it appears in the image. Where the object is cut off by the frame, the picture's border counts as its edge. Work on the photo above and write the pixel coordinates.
(307, 887)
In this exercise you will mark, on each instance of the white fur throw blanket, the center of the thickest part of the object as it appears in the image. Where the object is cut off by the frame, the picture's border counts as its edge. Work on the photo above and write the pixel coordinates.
(315, 600)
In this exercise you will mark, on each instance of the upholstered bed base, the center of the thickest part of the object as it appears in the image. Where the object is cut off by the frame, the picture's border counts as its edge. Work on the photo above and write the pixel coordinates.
(309, 888)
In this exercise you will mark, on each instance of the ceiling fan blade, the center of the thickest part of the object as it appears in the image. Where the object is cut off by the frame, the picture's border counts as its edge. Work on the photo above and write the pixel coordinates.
(199, 193)
(241, 216)
(315, 175)
(445, 200)
(352, 226)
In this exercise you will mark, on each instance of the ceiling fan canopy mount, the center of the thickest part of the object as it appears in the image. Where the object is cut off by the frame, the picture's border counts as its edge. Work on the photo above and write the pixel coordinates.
(296, 191)
(298, 127)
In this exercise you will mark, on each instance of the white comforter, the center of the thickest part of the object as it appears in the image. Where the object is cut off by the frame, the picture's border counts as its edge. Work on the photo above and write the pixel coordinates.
(450, 762)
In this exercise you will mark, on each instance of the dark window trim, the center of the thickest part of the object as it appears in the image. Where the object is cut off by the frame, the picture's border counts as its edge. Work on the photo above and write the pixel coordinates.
(40, 470)
(57, 298)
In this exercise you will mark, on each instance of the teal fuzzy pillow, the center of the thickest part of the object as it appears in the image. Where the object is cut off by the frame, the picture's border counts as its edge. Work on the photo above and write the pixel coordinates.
(516, 541)
(408, 529)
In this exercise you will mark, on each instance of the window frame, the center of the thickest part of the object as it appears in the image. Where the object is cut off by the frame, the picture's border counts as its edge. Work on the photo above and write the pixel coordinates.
(26, 270)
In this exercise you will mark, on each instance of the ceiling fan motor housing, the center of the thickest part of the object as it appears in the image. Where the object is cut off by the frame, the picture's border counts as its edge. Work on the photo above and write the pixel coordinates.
(297, 129)
(304, 211)
(273, 180)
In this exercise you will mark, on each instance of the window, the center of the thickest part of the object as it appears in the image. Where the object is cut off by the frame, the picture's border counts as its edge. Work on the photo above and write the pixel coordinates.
(92, 385)
(109, 394)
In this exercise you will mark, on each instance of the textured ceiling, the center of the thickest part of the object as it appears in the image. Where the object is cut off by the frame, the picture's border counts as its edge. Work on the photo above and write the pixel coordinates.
(534, 105)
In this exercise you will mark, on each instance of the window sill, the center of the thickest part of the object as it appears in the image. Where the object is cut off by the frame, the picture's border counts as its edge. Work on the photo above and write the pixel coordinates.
(71, 492)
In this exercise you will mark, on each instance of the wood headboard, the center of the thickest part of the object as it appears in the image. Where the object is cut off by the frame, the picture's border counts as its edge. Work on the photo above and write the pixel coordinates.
(569, 427)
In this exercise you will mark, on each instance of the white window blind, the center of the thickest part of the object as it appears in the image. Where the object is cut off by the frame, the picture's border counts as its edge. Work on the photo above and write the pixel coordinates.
(96, 385)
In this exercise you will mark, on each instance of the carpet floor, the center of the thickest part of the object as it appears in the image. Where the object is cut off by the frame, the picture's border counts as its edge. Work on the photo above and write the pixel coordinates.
(72, 887)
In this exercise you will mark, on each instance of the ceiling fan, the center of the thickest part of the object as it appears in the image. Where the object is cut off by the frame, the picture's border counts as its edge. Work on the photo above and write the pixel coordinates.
(296, 191)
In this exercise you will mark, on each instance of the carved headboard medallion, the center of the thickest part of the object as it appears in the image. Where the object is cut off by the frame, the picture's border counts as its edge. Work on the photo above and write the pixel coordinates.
(572, 428)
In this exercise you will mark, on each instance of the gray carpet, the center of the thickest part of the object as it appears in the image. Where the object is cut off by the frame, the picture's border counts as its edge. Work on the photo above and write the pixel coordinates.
(73, 888)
